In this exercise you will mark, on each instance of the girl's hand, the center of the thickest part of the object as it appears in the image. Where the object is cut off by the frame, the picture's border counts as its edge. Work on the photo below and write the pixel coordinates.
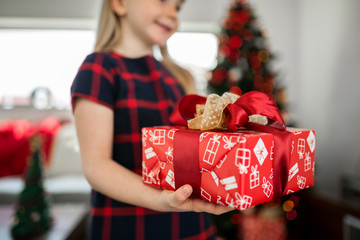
(180, 201)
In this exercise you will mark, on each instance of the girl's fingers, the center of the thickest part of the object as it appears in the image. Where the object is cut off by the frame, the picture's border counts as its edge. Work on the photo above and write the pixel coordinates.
(202, 206)
(178, 197)
(180, 200)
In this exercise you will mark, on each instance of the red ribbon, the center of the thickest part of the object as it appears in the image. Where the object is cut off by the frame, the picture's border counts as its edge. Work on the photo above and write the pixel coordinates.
(185, 109)
(236, 116)
(282, 154)
(251, 103)
(186, 162)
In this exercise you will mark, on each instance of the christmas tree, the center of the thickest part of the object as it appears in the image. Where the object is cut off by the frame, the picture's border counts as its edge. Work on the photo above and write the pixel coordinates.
(32, 210)
(244, 59)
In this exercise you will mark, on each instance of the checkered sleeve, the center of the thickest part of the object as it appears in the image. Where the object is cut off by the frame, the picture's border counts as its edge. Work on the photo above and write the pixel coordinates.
(94, 81)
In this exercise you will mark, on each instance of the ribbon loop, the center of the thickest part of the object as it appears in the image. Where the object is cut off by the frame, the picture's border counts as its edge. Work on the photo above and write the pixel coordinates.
(258, 103)
(236, 114)
(236, 117)
(186, 109)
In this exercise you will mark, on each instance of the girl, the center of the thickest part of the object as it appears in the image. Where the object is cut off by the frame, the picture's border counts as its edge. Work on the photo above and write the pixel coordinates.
(119, 89)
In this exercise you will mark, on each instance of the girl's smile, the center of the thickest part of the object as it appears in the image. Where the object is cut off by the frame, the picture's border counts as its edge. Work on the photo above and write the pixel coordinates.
(165, 27)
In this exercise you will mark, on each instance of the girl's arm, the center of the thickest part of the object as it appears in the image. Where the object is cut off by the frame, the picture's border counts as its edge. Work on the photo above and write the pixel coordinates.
(94, 124)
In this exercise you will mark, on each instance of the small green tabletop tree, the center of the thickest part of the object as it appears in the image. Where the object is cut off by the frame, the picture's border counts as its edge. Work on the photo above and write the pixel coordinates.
(32, 210)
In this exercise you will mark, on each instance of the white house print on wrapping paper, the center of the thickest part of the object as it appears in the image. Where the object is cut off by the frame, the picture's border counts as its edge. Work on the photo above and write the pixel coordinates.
(254, 177)
(260, 151)
(243, 159)
(149, 177)
(211, 149)
(267, 186)
(301, 182)
(169, 155)
(301, 148)
(242, 202)
(157, 137)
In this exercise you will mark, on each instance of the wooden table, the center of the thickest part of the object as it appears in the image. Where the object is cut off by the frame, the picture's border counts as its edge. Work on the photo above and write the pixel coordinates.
(70, 222)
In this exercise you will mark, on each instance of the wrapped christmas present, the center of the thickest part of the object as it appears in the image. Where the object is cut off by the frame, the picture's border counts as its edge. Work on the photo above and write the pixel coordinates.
(233, 150)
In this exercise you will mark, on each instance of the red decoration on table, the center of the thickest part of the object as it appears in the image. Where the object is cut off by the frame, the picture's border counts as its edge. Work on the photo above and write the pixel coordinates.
(15, 138)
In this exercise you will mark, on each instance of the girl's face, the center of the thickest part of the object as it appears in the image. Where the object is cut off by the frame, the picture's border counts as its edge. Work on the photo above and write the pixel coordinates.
(149, 22)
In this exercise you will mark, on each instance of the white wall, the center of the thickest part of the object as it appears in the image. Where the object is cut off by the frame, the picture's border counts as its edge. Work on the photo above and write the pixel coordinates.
(317, 42)
(281, 18)
(329, 92)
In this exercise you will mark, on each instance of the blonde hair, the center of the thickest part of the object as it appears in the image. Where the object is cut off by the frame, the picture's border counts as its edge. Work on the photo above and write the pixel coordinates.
(109, 33)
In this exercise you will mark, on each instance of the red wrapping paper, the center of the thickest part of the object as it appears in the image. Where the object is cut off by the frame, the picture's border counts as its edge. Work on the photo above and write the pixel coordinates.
(236, 168)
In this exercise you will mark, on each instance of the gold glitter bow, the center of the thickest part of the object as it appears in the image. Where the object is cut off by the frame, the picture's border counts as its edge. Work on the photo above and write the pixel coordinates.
(210, 116)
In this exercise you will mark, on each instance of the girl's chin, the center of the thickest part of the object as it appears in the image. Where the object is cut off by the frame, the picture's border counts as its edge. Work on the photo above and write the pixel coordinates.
(162, 42)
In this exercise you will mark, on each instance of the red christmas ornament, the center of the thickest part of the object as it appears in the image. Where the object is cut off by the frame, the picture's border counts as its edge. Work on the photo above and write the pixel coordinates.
(242, 18)
(235, 42)
(219, 75)
(255, 63)
(224, 50)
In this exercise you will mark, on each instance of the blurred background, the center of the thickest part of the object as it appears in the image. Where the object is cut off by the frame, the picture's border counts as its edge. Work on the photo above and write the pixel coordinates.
(317, 61)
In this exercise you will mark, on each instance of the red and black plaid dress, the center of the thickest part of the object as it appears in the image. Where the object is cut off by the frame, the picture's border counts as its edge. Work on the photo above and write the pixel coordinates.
(141, 93)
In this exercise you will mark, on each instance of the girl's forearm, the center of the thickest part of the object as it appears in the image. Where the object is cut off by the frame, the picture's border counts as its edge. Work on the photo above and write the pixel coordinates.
(119, 183)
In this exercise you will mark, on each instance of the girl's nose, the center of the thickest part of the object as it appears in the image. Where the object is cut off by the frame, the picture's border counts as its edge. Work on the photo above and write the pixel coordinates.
(172, 10)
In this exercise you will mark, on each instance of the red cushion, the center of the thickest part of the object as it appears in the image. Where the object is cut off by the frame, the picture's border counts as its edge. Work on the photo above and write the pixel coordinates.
(15, 138)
